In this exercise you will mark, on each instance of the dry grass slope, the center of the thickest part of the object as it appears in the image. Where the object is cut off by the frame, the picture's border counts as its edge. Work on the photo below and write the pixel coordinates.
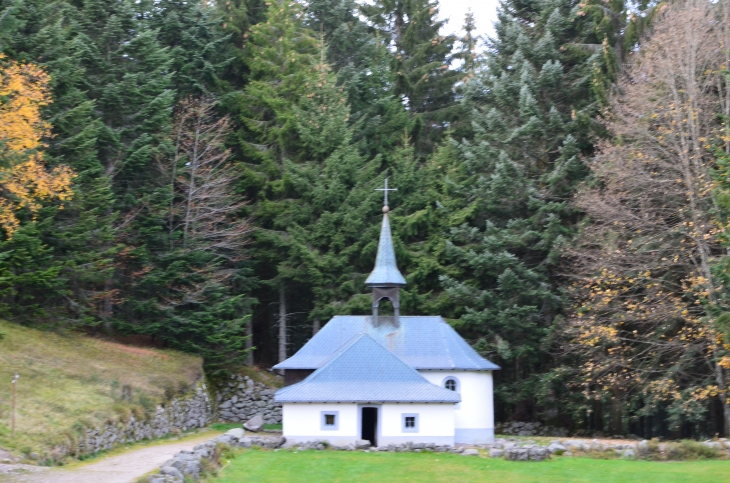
(68, 382)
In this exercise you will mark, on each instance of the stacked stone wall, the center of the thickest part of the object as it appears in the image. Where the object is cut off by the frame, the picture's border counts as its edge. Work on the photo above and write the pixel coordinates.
(193, 410)
(242, 398)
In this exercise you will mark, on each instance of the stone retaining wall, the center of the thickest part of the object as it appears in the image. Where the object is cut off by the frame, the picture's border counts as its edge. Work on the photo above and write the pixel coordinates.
(518, 428)
(190, 465)
(194, 410)
(242, 398)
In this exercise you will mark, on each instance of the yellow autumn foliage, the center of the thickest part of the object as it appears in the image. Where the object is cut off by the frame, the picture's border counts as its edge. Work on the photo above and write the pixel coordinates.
(25, 181)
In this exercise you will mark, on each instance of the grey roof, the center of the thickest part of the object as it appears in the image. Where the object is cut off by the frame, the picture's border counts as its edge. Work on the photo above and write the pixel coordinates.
(364, 371)
(386, 271)
(422, 342)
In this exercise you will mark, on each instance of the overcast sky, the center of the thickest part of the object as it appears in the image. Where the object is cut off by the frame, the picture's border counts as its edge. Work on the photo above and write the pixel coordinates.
(485, 12)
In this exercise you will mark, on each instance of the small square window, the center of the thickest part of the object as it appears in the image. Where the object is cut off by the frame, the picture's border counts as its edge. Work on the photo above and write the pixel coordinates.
(410, 423)
(329, 420)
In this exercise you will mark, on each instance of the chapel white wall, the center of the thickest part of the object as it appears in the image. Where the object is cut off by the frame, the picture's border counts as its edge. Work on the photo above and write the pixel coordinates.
(302, 423)
(435, 424)
(474, 416)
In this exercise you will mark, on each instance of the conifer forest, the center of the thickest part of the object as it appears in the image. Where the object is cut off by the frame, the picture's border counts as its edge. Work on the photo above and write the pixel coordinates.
(202, 174)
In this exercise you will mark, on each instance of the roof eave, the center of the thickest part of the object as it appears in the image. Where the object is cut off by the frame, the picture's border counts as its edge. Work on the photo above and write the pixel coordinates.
(365, 401)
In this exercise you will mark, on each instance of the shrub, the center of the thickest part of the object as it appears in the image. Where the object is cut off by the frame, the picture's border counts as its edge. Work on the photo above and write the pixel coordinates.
(691, 450)
(649, 451)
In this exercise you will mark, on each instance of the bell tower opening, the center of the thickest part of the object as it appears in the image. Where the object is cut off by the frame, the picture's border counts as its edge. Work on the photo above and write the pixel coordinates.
(385, 279)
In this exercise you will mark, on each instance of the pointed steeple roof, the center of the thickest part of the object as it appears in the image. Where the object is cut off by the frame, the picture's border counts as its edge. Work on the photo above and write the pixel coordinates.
(385, 273)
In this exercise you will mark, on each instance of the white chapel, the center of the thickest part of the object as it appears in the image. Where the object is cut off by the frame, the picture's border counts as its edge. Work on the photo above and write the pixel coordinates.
(389, 380)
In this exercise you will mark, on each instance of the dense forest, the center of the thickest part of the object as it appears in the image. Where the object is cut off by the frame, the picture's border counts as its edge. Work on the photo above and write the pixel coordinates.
(203, 174)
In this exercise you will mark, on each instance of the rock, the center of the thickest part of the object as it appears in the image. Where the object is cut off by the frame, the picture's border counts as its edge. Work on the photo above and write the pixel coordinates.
(496, 453)
(629, 453)
(172, 471)
(237, 433)
(517, 454)
(255, 424)
(470, 452)
(362, 444)
(557, 448)
(538, 453)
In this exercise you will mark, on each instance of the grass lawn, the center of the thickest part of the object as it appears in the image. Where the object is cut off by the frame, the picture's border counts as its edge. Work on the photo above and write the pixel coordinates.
(68, 381)
(226, 426)
(357, 467)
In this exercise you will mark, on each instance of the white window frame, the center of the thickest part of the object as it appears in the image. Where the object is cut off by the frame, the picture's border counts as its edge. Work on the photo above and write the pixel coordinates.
(323, 421)
(456, 382)
(405, 429)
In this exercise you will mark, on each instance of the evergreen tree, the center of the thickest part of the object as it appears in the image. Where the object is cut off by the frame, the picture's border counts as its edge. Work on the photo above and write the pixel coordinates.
(282, 59)
(346, 34)
(422, 56)
(535, 104)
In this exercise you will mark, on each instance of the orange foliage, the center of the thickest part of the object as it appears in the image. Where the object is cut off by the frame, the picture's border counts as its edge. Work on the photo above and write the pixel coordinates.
(24, 180)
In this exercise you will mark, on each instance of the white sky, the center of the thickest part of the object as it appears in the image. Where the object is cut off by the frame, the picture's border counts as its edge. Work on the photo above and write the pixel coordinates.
(485, 12)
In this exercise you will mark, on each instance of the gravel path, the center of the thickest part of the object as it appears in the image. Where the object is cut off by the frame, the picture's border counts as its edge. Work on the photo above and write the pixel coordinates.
(122, 468)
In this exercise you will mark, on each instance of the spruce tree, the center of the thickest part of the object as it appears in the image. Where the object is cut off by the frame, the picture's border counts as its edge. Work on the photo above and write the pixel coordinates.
(535, 102)
(421, 60)
(282, 58)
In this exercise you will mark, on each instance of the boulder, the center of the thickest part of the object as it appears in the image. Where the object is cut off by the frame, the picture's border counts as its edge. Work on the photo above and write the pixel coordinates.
(255, 424)
(517, 454)
(496, 453)
(557, 448)
(172, 471)
(237, 433)
(470, 452)
(538, 453)
(362, 444)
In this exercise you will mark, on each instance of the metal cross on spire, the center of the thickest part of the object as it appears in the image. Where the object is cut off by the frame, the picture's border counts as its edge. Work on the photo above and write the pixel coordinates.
(385, 192)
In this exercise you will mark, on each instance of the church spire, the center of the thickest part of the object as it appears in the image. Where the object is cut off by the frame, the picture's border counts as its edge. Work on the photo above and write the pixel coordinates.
(385, 279)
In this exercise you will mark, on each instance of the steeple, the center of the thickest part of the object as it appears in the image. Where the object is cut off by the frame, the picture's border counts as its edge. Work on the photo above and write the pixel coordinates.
(385, 279)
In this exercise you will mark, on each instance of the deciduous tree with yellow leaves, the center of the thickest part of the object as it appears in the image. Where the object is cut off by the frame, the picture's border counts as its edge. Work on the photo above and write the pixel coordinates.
(642, 327)
(24, 180)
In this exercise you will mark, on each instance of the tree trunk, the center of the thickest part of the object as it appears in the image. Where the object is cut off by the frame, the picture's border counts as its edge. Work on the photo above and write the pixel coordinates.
(282, 325)
(315, 326)
(722, 386)
(191, 188)
(616, 414)
(249, 341)
(106, 306)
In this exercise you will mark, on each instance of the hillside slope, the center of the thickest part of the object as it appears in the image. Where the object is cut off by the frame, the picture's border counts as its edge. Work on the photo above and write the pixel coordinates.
(68, 382)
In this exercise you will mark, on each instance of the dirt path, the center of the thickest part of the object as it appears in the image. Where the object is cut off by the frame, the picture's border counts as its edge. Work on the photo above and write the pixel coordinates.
(121, 468)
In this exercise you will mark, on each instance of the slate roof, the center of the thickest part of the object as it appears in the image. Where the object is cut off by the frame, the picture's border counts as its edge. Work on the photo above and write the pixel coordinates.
(386, 271)
(422, 342)
(364, 371)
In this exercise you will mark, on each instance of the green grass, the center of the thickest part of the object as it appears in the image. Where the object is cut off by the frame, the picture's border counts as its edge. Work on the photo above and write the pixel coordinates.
(68, 382)
(358, 467)
(226, 426)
